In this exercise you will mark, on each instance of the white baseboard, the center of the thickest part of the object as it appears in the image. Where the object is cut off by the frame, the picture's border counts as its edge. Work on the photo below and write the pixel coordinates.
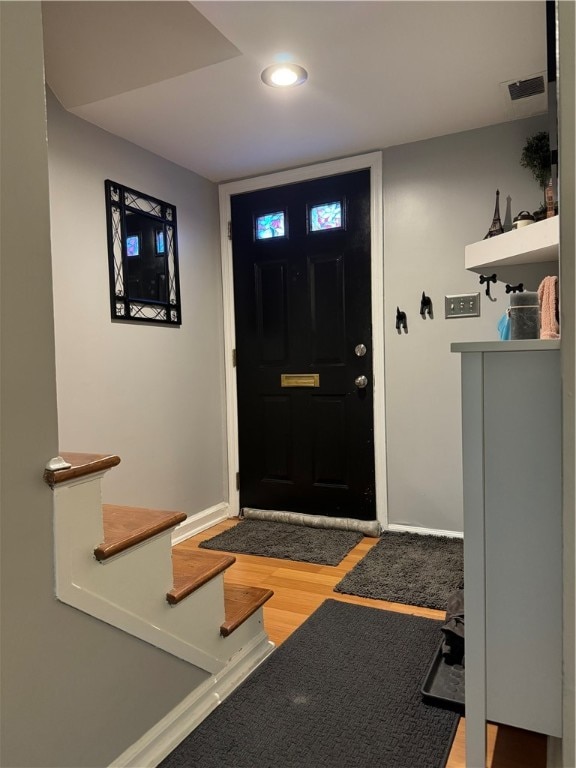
(424, 531)
(162, 738)
(199, 522)
(219, 512)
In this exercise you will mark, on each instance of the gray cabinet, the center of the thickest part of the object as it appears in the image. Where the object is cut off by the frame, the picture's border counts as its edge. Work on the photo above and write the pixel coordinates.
(511, 408)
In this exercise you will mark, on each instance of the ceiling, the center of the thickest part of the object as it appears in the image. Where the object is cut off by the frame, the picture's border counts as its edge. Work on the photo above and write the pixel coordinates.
(183, 79)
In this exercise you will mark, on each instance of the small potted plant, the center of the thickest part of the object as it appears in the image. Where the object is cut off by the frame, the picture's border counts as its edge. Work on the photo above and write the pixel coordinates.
(536, 157)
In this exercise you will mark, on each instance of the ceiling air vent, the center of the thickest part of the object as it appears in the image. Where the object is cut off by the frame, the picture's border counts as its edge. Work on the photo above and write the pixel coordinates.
(521, 89)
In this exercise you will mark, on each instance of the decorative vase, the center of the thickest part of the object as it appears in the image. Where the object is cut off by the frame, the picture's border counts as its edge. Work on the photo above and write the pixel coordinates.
(523, 219)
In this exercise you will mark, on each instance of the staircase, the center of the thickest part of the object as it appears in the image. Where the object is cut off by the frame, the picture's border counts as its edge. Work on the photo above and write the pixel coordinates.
(117, 564)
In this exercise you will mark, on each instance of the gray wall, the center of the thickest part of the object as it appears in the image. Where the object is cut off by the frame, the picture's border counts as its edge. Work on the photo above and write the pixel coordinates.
(74, 691)
(438, 197)
(151, 394)
(567, 143)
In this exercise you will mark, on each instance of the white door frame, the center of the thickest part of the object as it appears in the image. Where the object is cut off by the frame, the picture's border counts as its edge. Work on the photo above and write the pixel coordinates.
(373, 161)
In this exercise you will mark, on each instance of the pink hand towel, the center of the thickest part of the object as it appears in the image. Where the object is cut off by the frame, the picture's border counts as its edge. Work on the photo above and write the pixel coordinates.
(548, 299)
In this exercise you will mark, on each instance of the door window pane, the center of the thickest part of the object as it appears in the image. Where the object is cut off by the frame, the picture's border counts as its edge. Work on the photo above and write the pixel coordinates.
(160, 247)
(133, 245)
(326, 216)
(270, 225)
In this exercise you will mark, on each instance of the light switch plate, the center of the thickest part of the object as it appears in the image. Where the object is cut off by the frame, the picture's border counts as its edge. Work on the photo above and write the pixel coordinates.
(462, 305)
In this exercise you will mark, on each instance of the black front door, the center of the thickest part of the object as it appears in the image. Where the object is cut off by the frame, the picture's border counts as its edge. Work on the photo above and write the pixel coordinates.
(301, 256)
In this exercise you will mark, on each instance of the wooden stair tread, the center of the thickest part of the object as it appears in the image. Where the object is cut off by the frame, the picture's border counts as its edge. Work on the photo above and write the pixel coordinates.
(82, 464)
(193, 568)
(126, 526)
(240, 602)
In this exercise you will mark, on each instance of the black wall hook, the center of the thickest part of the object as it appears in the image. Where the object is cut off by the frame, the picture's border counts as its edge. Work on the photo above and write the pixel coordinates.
(515, 288)
(401, 321)
(426, 307)
(487, 279)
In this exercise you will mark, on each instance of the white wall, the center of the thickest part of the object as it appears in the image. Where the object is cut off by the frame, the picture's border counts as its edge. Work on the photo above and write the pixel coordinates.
(153, 395)
(74, 691)
(439, 196)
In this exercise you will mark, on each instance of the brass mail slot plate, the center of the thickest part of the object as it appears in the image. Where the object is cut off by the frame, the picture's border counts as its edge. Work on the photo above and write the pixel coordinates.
(300, 380)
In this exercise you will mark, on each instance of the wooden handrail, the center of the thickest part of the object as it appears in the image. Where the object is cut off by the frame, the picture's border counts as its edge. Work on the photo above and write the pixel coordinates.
(82, 464)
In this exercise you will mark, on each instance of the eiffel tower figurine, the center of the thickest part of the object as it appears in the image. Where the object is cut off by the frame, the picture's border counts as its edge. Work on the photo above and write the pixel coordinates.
(496, 227)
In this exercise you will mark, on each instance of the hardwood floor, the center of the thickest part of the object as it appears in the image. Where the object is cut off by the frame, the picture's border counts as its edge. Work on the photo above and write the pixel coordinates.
(300, 588)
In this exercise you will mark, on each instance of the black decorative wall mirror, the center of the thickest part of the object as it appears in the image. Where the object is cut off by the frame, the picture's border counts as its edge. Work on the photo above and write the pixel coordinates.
(142, 257)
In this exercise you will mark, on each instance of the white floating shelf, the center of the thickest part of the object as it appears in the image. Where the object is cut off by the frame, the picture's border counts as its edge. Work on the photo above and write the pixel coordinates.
(528, 245)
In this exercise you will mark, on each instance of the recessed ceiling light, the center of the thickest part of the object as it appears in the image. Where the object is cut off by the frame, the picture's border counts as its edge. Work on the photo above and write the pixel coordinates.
(284, 75)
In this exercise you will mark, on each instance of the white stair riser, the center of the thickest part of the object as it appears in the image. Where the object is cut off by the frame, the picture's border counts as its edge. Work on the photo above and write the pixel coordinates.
(195, 619)
(128, 590)
(78, 525)
(246, 631)
(78, 505)
(140, 575)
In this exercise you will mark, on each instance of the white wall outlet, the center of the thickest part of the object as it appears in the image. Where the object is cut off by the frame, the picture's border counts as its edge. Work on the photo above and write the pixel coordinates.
(463, 305)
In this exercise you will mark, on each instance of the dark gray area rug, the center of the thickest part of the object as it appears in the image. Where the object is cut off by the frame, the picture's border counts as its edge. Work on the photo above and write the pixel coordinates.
(343, 691)
(322, 546)
(408, 568)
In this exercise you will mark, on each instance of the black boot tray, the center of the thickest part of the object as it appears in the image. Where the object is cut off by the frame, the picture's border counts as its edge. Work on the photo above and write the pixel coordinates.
(444, 684)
